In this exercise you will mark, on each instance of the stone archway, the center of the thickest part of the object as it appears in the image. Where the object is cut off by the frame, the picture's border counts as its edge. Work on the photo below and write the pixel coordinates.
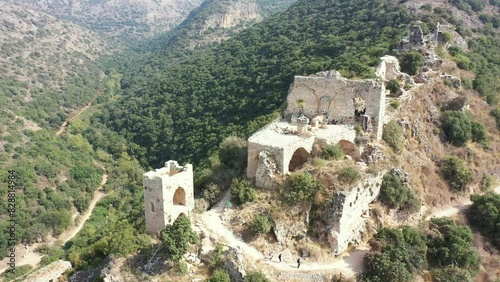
(299, 157)
(349, 149)
(180, 197)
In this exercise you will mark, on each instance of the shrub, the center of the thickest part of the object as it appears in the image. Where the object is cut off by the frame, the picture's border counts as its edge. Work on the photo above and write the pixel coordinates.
(180, 268)
(220, 276)
(211, 193)
(393, 135)
(216, 259)
(396, 255)
(261, 224)
(456, 172)
(302, 187)
(447, 37)
(233, 153)
(485, 215)
(396, 195)
(478, 133)
(453, 245)
(426, 7)
(496, 115)
(451, 273)
(412, 62)
(177, 237)
(457, 127)
(333, 152)
(349, 175)
(393, 85)
(395, 103)
(256, 276)
(242, 191)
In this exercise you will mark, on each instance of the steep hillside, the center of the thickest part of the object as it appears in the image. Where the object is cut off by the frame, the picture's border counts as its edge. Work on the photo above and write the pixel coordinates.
(115, 19)
(183, 111)
(50, 67)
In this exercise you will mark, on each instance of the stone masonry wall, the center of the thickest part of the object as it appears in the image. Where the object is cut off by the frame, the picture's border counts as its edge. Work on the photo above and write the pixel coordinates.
(349, 213)
(160, 187)
(333, 94)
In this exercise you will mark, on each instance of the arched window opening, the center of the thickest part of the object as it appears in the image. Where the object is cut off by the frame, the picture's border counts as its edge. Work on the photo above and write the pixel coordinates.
(180, 197)
(299, 157)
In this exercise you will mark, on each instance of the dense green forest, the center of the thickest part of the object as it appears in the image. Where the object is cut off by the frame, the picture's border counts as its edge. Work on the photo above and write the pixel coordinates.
(183, 111)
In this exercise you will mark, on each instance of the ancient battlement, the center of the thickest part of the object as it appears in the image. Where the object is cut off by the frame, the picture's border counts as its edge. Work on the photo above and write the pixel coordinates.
(168, 193)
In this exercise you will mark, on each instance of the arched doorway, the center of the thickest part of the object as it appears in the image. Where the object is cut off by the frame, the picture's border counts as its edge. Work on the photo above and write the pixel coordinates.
(180, 197)
(299, 157)
(349, 149)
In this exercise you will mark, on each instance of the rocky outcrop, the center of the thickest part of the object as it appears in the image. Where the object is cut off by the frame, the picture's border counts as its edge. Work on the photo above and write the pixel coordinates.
(267, 174)
(294, 225)
(389, 69)
(233, 263)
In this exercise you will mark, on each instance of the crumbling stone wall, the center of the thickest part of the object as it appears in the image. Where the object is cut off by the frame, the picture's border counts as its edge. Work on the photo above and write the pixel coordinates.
(168, 193)
(281, 155)
(335, 96)
(49, 273)
(349, 213)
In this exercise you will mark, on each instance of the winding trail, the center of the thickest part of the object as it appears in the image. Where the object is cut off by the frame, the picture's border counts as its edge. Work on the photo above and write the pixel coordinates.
(24, 256)
(65, 123)
(350, 264)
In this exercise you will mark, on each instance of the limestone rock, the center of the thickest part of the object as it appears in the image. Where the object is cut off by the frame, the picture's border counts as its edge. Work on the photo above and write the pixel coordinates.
(233, 263)
(295, 224)
(266, 175)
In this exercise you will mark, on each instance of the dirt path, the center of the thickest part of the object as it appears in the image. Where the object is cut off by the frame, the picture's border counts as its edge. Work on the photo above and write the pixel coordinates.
(65, 123)
(211, 223)
(456, 208)
(24, 256)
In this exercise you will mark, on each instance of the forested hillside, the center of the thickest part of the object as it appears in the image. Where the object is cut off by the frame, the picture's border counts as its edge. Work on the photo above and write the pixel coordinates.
(119, 19)
(183, 111)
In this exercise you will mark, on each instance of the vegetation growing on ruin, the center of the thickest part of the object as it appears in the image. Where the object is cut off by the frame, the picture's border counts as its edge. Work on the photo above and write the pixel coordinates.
(395, 194)
(301, 186)
(333, 152)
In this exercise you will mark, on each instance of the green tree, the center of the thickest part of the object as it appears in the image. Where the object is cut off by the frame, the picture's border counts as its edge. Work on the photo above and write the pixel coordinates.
(393, 135)
(457, 127)
(261, 224)
(393, 85)
(412, 62)
(302, 187)
(177, 237)
(451, 273)
(456, 172)
(485, 215)
(395, 194)
(453, 245)
(242, 191)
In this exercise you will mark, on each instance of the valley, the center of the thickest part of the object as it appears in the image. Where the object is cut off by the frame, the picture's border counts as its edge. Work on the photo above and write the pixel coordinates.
(361, 136)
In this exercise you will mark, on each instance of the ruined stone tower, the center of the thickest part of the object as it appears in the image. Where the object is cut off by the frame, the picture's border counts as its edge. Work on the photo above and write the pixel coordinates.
(168, 194)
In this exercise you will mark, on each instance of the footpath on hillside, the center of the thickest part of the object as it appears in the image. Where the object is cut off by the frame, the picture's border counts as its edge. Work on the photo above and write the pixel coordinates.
(210, 222)
(30, 257)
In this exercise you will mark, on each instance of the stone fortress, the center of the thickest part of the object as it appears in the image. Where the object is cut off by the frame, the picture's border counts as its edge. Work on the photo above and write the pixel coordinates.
(168, 194)
(325, 108)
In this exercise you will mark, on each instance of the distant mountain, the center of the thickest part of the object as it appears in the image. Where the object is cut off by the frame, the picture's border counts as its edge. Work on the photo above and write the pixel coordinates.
(119, 18)
(47, 65)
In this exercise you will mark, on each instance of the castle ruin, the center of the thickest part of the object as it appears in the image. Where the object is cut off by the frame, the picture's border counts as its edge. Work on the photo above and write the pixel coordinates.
(323, 108)
(168, 194)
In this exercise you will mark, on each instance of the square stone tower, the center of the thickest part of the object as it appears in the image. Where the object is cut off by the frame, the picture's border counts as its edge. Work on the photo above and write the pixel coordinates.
(168, 194)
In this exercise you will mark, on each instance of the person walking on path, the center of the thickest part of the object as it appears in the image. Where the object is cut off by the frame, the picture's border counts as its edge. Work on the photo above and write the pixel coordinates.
(271, 256)
(279, 257)
(298, 263)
